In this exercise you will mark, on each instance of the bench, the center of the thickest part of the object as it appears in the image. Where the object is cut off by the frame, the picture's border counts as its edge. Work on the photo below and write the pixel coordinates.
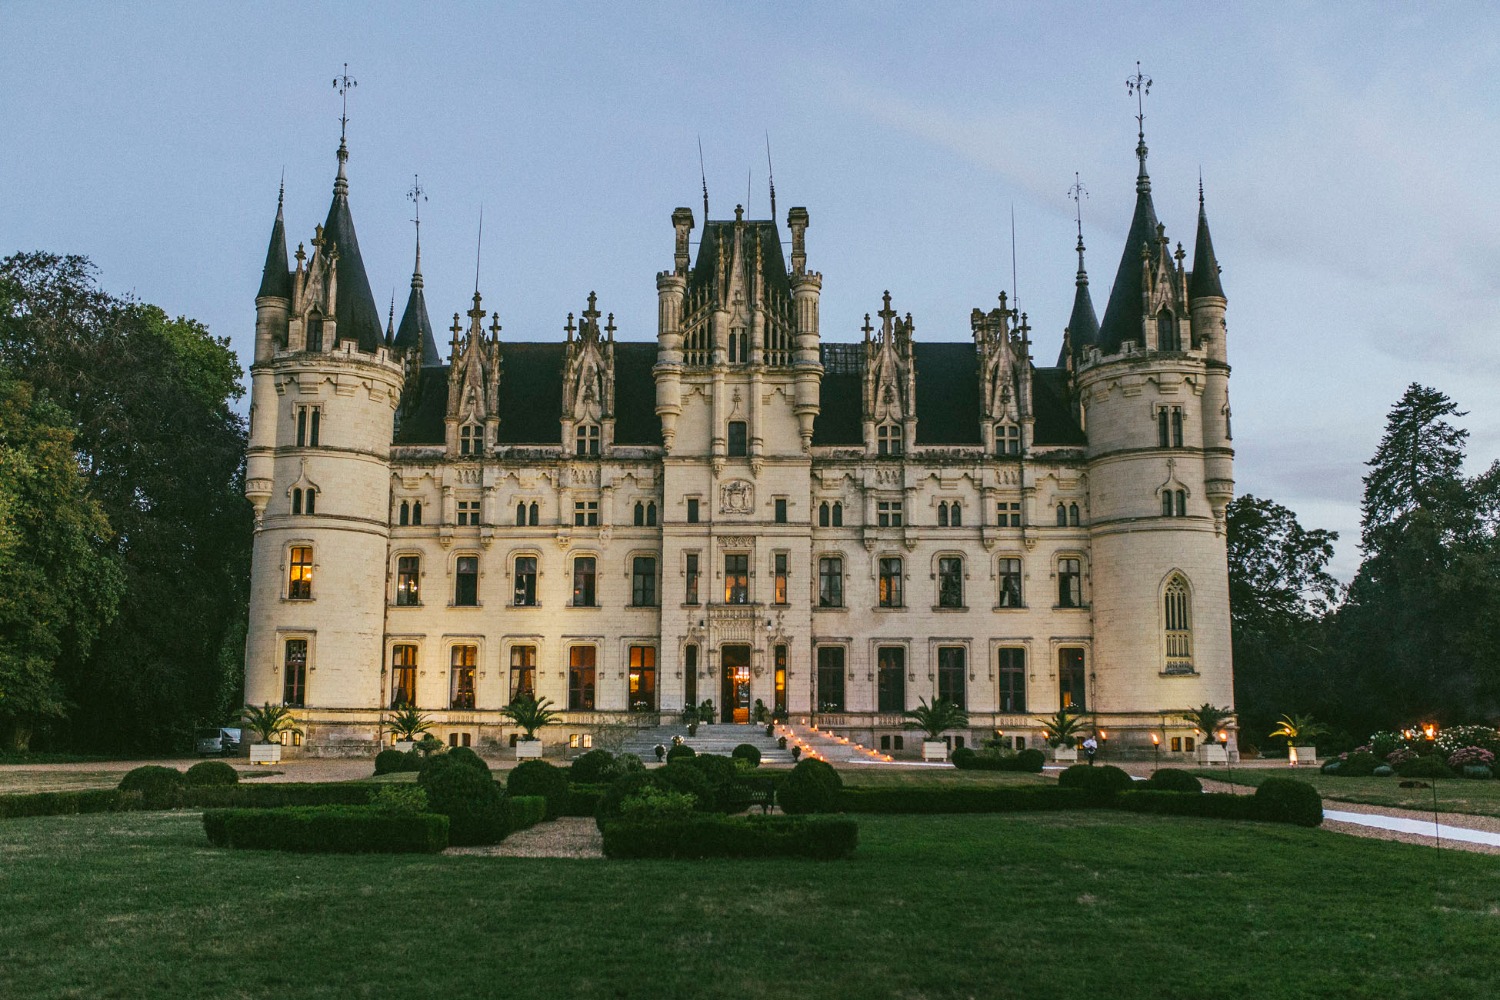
(760, 792)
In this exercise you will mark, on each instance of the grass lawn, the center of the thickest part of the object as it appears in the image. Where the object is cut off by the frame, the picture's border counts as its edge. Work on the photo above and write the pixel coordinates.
(1454, 795)
(874, 776)
(1050, 905)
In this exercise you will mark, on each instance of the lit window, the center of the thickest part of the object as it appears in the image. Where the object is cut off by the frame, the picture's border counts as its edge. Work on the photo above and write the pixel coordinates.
(294, 674)
(888, 439)
(583, 582)
(1070, 583)
(461, 689)
(581, 679)
(830, 582)
(299, 580)
(408, 581)
(780, 583)
(890, 582)
(643, 678)
(736, 578)
(403, 676)
(1178, 615)
(525, 581)
(466, 582)
(950, 582)
(522, 672)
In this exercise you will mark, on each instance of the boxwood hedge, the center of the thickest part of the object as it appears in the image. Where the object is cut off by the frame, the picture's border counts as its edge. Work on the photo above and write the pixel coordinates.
(327, 829)
(821, 838)
(524, 811)
(68, 803)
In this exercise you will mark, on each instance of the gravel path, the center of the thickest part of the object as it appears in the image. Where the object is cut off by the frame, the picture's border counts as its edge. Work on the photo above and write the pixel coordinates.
(564, 837)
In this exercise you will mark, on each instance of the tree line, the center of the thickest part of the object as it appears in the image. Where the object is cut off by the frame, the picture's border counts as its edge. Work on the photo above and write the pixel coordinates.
(124, 531)
(1415, 637)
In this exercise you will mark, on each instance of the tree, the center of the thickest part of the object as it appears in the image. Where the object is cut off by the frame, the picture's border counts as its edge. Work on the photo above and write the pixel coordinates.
(1207, 717)
(936, 718)
(62, 580)
(530, 714)
(148, 398)
(1417, 471)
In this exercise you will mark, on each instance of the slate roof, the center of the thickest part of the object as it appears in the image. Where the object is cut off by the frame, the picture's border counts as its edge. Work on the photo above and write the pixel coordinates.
(773, 265)
(1205, 277)
(423, 406)
(275, 279)
(354, 309)
(1083, 326)
(1123, 314)
(1055, 422)
(416, 328)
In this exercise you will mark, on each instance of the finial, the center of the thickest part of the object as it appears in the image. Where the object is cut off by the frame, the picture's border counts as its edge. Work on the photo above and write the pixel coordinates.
(343, 84)
(1200, 189)
(886, 312)
(479, 247)
(301, 256)
(390, 320)
(1139, 86)
(739, 213)
(609, 326)
(1077, 192)
(416, 196)
(771, 176)
(703, 175)
(867, 328)
(569, 328)
(495, 326)
(455, 329)
(281, 194)
(591, 315)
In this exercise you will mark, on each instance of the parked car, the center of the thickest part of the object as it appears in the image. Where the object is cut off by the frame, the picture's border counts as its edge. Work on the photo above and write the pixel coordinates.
(218, 742)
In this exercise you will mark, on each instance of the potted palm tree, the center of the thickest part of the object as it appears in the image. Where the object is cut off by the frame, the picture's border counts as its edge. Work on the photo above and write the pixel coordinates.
(933, 720)
(530, 715)
(1207, 718)
(406, 724)
(1061, 730)
(268, 722)
(1301, 728)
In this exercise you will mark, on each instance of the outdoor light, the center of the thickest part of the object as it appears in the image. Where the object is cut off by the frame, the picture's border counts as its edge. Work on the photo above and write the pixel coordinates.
(1430, 730)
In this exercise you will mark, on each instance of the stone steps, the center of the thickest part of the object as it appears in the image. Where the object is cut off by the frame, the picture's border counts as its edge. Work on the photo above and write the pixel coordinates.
(719, 738)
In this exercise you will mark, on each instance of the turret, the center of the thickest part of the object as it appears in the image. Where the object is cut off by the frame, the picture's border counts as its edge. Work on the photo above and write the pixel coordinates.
(671, 293)
(807, 288)
(1206, 295)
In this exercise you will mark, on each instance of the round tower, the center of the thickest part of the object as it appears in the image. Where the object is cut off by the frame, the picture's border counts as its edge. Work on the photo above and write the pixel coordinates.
(324, 390)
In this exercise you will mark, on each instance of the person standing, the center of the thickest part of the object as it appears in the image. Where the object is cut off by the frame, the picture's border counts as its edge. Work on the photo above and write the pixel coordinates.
(1090, 748)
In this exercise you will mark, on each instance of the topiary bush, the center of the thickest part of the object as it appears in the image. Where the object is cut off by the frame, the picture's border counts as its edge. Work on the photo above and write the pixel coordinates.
(1031, 759)
(628, 762)
(160, 787)
(812, 787)
(723, 778)
(211, 772)
(681, 751)
(682, 778)
(1359, 764)
(689, 779)
(466, 757)
(597, 767)
(1431, 766)
(537, 777)
(1170, 779)
(249, 795)
(1106, 779)
(524, 811)
(1287, 800)
(332, 829)
(823, 838)
(402, 798)
(652, 802)
(392, 761)
(748, 752)
(473, 802)
(963, 758)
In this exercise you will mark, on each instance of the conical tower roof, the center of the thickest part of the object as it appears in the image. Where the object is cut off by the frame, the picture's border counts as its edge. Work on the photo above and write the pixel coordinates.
(1123, 313)
(355, 311)
(275, 278)
(1205, 279)
(415, 331)
(1083, 325)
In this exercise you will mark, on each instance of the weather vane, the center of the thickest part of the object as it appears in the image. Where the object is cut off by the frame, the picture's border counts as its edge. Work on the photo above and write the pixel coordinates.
(343, 84)
(1078, 192)
(416, 196)
(1139, 86)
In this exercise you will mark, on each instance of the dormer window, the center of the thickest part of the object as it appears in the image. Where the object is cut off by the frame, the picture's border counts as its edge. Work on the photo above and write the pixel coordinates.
(888, 439)
(1166, 332)
(471, 440)
(1007, 440)
(586, 441)
(314, 331)
(737, 438)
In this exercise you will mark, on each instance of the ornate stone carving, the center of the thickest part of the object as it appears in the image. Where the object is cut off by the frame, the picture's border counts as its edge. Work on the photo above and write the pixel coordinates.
(737, 497)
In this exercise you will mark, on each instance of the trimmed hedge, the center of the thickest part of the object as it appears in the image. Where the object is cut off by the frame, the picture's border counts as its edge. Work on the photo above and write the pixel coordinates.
(461, 755)
(68, 803)
(1030, 759)
(824, 838)
(1170, 779)
(524, 811)
(723, 775)
(747, 752)
(680, 751)
(160, 787)
(597, 767)
(1287, 800)
(250, 795)
(938, 800)
(812, 787)
(682, 777)
(211, 772)
(391, 761)
(327, 829)
(1431, 766)
(1210, 805)
(537, 777)
(1105, 779)
(473, 802)
(583, 800)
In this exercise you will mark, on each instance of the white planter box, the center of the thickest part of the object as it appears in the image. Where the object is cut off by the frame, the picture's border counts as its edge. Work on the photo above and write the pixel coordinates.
(528, 749)
(1213, 753)
(1069, 754)
(265, 753)
(934, 750)
(1304, 756)
(403, 745)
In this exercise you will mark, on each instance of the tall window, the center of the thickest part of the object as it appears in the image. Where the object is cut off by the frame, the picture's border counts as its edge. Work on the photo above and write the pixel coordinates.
(1178, 615)
(520, 515)
(471, 440)
(581, 679)
(1070, 582)
(950, 582)
(403, 676)
(416, 512)
(1166, 332)
(1007, 439)
(692, 510)
(522, 672)
(830, 582)
(1009, 571)
(468, 513)
(586, 513)
(1012, 680)
(466, 581)
(890, 513)
(1062, 515)
(950, 515)
(405, 513)
(890, 582)
(737, 435)
(294, 674)
(525, 580)
(830, 514)
(297, 500)
(779, 659)
(311, 496)
(1073, 515)
(780, 582)
(643, 678)
(888, 439)
(314, 331)
(461, 687)
(586, 441)
(645, 514)
(299, 578)
(643, 581)
(1070, 679)
(690, 594)
(309, 420)
(1008, 515)
(690, 674)
(952, 673)
(830, 678)
(891, 672)
(780, 510)
(408, 581)
(531, 514)
(1169, 426)
(583, 582)
(736, 578)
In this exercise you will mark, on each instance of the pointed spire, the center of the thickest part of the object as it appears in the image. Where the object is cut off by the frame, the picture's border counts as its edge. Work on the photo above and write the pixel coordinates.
(355, 311)
(415, 331)
(1123, 313)
(275, 279)
(1205, 279)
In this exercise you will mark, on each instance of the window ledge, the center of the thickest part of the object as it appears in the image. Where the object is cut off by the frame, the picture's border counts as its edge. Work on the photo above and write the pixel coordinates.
(1179, 673)
(416, 604)
(840, 608)
(297, 600)
(942, 609)
(524, 607)
(1070, 607)
(585, 607)
(881, 607)
(1009, 607)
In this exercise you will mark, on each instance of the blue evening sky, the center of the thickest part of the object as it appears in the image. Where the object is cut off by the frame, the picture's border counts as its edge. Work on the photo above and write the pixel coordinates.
(1348, 152)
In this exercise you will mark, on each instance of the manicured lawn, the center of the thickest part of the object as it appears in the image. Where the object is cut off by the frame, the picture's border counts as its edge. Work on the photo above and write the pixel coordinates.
(1455, 795)
(874, 776)
(1053, 905)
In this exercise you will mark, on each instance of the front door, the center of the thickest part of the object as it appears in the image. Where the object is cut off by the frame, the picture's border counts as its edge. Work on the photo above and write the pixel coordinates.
(736, 683)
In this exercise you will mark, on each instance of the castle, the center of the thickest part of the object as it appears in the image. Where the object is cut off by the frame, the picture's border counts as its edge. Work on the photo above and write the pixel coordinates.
(739, 511)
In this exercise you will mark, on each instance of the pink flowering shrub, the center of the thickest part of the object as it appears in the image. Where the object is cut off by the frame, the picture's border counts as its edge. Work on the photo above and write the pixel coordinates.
(1471, 755)
(1398, 757)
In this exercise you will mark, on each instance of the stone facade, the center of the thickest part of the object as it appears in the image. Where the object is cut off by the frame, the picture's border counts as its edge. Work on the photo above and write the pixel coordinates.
(740, 512)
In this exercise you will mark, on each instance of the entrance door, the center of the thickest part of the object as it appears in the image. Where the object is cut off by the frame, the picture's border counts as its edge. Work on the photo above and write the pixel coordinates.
(736, 683)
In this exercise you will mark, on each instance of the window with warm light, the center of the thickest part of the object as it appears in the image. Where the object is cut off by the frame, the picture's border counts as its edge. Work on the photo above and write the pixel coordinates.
(781, 583)
(1070, 680)
(299, 577)
(890, 582)
(736, 578)
(461, 687)
(408, 581)
(294, 674)
(1177, 612)
(403, 676)
(581, 678)
(643, 678)
(522, 672)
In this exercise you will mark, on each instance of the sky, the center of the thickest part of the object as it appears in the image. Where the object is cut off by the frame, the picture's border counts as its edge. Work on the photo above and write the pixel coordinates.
(1347, 153)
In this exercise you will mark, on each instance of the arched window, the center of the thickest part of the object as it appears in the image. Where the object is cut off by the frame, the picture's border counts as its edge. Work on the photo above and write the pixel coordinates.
(838, 515)
(1166, 332)
(823, 514)
(416, 512)
(310, 496)
(1179, 498)
(943, 515)
(405, 513)
(640, 515)
(650, 515)
(314, 331)
(520, 515)
(531, 516)
(1073, 514)
(1062, 516)
(296, 501)
(1178, 616)
(955, 515)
